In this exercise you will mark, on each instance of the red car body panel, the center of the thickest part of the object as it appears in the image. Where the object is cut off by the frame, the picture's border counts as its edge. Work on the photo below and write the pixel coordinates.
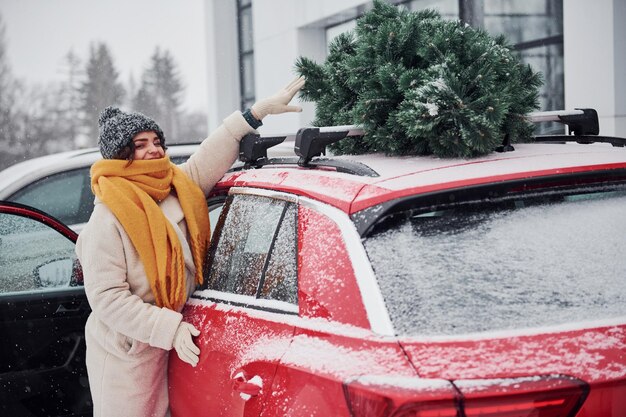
(596, 355)
(232, 342)
(318, 362)
(306, 360)
(323, 285)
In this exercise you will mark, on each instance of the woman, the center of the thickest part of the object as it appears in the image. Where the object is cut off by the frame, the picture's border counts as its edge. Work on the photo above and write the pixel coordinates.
(142, 251)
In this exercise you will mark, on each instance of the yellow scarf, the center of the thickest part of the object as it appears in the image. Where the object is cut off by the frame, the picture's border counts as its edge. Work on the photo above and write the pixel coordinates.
(132, 192)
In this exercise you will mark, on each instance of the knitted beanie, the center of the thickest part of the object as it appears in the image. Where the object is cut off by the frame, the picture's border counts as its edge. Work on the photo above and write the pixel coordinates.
(117, 130)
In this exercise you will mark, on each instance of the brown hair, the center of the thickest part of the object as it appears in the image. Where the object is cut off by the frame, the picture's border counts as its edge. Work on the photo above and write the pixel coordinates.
(128, 152)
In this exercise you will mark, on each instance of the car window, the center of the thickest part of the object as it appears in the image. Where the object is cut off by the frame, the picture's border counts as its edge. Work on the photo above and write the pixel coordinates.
(254, 253)
(540, 260)
(66, 196)
(279, 281)
(33, 256)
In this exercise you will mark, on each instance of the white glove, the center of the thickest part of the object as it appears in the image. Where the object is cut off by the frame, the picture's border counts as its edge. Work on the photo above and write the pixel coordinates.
(183, 343)
(278, 103)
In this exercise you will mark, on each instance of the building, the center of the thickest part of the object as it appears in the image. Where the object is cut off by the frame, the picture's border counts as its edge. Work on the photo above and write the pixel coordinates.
(577, 45)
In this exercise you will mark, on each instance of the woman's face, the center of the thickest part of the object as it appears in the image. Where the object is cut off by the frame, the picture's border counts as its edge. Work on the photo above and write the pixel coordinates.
(148, 146)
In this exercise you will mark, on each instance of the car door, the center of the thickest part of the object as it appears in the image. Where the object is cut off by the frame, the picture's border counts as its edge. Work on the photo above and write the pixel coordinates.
(244, 310)
(65, 195)
(43, 310)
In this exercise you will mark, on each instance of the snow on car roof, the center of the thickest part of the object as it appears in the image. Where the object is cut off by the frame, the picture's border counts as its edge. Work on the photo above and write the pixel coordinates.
(399, 176)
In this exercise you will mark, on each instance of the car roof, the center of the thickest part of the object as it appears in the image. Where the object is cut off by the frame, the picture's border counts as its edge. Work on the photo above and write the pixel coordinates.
(18, 175)
(402, 176)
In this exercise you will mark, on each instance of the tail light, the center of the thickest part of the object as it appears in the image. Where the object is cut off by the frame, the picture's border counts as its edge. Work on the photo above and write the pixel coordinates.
(545, 396)
(542, 396)
(383, 396)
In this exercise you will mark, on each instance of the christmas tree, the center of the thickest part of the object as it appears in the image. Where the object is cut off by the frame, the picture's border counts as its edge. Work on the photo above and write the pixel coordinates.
(419, 85)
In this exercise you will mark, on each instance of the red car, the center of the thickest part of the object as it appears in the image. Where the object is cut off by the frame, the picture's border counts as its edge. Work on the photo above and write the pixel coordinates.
(415, 286)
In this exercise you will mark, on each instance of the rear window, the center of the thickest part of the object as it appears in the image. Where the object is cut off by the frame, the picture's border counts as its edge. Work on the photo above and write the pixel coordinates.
(537, 260)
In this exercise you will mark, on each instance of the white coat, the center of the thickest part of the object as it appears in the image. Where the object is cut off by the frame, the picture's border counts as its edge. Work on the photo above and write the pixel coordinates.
(128, 337)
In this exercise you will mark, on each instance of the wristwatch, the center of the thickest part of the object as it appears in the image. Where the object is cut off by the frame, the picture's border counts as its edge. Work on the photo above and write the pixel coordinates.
(252, 121)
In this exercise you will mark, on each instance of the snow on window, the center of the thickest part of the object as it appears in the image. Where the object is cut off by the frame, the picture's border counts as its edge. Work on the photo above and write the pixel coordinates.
(243, 244)
(32, 255)
(504, 265)
(280, 280)
(256, 250)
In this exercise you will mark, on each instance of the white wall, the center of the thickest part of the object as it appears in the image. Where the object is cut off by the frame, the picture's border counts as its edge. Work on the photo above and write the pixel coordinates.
(595, 60)
(222, 60)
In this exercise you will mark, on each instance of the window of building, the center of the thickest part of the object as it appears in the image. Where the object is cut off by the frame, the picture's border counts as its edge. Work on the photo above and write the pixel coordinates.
(535, 29)
(246, 52)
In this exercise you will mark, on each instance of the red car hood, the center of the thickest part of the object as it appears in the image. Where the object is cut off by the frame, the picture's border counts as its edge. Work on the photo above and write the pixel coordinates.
(596, 356)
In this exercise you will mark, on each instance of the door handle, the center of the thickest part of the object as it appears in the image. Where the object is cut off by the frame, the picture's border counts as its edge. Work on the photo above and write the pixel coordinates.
(246, 387)
(68, 308)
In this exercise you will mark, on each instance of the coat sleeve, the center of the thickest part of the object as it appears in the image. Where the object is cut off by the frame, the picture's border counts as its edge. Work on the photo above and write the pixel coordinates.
(100, 250)
(217, 152)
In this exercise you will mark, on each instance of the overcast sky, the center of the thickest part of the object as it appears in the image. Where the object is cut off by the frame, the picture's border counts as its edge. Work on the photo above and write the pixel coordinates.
(39, 33)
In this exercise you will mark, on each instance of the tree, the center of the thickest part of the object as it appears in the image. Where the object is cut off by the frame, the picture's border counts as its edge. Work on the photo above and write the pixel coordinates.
(69, 101)
(100, 88)
(8, 90)
(419, 84)
(160, 93)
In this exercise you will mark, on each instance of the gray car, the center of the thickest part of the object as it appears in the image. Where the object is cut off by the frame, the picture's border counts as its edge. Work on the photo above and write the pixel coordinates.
(59, 184)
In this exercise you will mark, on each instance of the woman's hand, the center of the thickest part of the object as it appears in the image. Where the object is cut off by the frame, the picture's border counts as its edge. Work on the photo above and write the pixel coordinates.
(183, 343)
(279, 102)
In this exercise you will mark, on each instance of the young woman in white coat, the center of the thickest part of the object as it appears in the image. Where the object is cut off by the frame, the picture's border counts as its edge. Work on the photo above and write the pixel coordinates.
(143, 248)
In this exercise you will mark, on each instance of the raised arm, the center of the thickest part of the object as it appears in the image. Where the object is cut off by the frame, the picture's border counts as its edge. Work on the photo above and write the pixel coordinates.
(219, 151)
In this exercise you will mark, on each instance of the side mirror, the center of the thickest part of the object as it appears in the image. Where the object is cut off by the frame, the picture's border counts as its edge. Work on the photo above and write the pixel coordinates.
(54, 273)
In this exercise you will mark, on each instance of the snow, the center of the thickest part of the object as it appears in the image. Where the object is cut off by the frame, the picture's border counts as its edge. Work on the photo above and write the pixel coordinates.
(404, 382)
(242, 300)
(490, 268)
(433, 109)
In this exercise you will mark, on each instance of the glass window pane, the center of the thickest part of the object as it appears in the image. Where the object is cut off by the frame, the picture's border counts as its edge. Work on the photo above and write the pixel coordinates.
(243, 241)
(247, 68)
(449, 9)
(66, 196)
(32, 255)
(280, 280)
(245, 30)
(526, 262)
(549, 61)
(523, 21)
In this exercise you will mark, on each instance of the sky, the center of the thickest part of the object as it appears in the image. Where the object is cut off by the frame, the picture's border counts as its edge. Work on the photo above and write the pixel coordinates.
(39, 33)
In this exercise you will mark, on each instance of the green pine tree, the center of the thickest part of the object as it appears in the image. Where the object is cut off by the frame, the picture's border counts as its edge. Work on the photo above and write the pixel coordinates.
(419, 84)
(100, 88)
(161, 92)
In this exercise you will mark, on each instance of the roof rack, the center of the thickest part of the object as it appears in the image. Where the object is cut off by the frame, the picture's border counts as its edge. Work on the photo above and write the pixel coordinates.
(580, 122)
(312, 141)
(253, 149)
(309, 143)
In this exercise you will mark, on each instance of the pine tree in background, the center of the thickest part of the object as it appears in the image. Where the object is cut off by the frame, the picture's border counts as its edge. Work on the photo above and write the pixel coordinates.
(419, 84)
(161, 92)
(69, 103)
(100, 89)
(9, 88)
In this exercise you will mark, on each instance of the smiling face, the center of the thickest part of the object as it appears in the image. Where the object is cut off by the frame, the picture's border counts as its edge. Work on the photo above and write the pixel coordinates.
(148, 146)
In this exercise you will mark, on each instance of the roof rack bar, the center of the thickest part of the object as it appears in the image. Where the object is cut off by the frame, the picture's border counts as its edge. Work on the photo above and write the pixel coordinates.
(253, 148)
(579, 121)
(353, 130)
(312, 141)
(615, 141)
(552, 116)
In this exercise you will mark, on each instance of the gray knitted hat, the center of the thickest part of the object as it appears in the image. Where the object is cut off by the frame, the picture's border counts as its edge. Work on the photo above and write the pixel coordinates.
(117, 130)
